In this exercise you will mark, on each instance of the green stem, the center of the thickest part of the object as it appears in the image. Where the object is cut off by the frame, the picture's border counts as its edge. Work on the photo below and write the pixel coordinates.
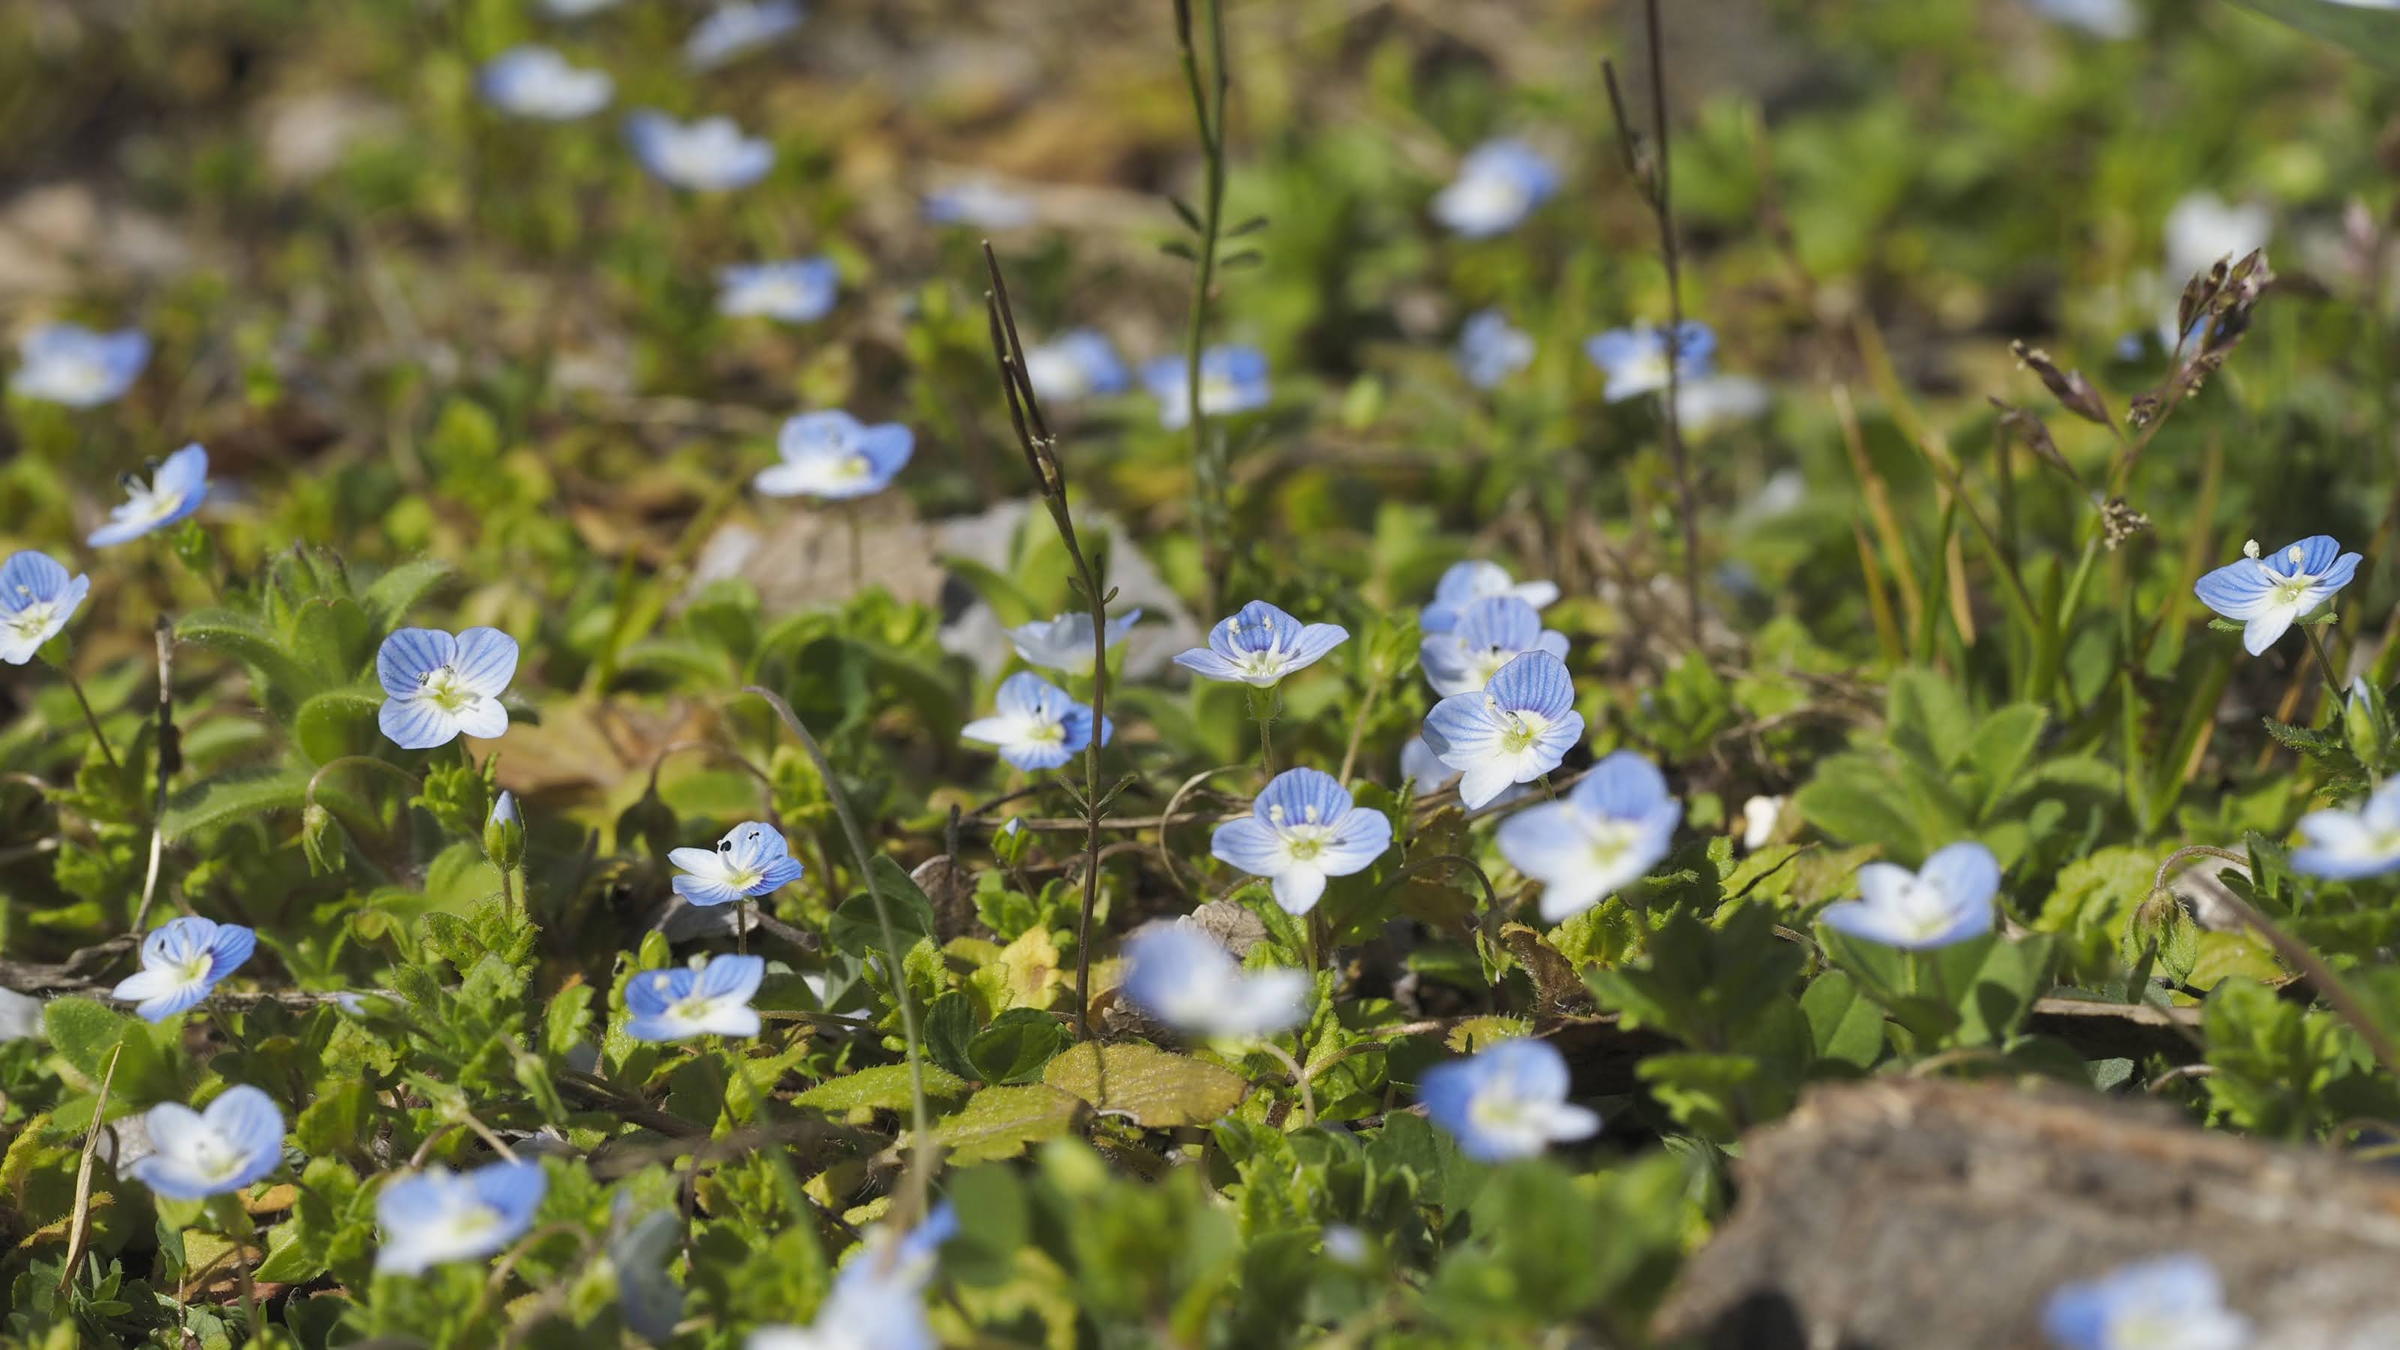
(91, 719)
(920, 1164)
(1210, 510)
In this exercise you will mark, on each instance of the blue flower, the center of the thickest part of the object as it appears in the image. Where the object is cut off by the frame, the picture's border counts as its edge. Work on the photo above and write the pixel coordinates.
(69, 364)
(1636, 358)
(196, 1154)
(1065, 643)
(1075, 365)
(1301, 830)
(683, 1002)
(182, 960)
(1489, 350)
(1949, 899)
(834, 456)
(533, 81)
(1607, 834)
(1260, 645)
(1498, 185)
(878, 1300)
(2101, 18)
(2171, 1300)
(800, 291)
(174, 491)
(710, 155)
(1513, 730)
(1184, 978)
(575, 9)
(504, 811)
(437, 1215)
(982, 203)
(1490, 633)
(437, 687)
(1507, 1101)
(738, 27)
(2267, 594)
(37, 597)
(1712, 401)
(1232, 379)
(2360, 843)
(1039, 725)
(1467, 582)
(753, 859)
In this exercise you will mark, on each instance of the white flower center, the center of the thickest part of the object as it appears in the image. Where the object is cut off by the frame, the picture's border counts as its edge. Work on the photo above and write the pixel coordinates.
(210, 1155)
(447, 690)
(1520, 730)
(1610, 841)
(694, 1010)
(33, 620)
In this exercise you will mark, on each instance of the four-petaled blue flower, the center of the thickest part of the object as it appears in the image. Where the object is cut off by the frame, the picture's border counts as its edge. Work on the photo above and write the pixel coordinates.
(535, 81)
(1184, 978)
(438, 1216)
(70, 364)
(37, 597)
(1950, 899)
(1607, 834)
(1065, 643)
(1465, 583)
(182, 960)
(834, 456)
(753, 859)
(1039, 725)
(2267, 594)
(1490, 350)
(1232, 379)
(1506, 1101)
(1301, 830)
(683, 1002)
(437, 687)
(1260, 645)
(1513, 730)
(1498, 185)
(196, 1154)
(2171, 1300)
(1075, 365)
(2360, 843)
(878, 1300)
(1490, 633)
(1635, 359)
(176, 488)
(710, 155)
(799, 291)
(737, 27)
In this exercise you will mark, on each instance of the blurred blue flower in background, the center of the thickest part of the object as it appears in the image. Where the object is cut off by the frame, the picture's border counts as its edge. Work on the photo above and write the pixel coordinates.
(710, 155)
(1232, 379)
(1490, 350)
(175, 490)
(1065, 643)
(2175, 1300)
(1949, 899)
(70, 364)
(438, 1216)
(1605, 835)
(2345, 844)
(1186, 979)
(736, 28)
(2102, 18)
(1464, 583)
(533, 81)
(1075, 365)
(1507, 1101)
(235, 1141)
(1490, 633)
(1499, 183)
(683, 1002)
(1635, 359)
(835, 456)
(801, 290)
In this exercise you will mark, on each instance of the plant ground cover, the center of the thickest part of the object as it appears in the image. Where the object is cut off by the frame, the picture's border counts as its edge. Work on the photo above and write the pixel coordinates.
(1061, 673)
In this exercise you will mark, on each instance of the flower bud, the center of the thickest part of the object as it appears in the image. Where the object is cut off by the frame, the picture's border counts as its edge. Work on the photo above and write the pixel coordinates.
(504, 834)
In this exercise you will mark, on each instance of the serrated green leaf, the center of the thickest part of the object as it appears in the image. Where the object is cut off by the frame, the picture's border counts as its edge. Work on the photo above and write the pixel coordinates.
(1152, 1086)
(1002, 1122)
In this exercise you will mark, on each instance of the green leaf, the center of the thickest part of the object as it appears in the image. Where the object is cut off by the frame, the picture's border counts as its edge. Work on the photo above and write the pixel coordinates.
(1154, 1087)
(882, 1088)
(949, 1024)
(83, 1031)
(396, 592)
(1016, 1046)
(337, 722)
(243, 792)
(2359, 29)
(1001, 1122)
(855, 928)
(995, 1222)
(1846, 1027)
